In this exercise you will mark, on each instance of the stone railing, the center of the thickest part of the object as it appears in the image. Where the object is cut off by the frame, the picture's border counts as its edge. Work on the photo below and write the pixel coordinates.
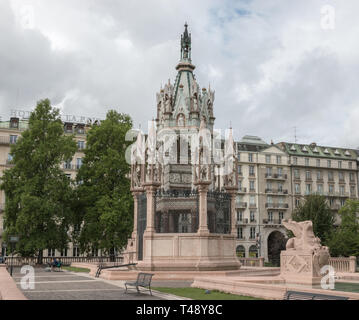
(343, 264)
(252, 262)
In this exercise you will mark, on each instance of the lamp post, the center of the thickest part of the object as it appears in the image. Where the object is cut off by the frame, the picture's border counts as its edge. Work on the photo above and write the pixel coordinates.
(13, 240)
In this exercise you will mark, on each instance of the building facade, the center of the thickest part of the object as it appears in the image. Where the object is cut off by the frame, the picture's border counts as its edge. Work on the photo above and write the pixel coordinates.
(10, 132)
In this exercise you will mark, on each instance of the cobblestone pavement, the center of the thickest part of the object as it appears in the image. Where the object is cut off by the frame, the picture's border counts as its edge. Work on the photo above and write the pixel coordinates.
(70, 286)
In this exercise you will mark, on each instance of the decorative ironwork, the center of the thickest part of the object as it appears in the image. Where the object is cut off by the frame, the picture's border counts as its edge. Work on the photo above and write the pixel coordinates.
(141, 222)
(176, 211)
(219, 212)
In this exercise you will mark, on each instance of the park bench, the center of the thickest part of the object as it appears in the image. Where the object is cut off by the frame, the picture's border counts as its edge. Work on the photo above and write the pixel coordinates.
(297, 295)
(143, 280)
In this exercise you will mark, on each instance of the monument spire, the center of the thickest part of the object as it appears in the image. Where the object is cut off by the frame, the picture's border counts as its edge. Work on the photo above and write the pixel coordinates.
(186, 44)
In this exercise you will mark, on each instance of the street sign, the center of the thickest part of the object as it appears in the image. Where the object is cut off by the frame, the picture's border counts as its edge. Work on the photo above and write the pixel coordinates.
(14, 239)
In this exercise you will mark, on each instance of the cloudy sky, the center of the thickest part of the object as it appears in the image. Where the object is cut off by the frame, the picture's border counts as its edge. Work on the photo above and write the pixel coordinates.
(274, 64)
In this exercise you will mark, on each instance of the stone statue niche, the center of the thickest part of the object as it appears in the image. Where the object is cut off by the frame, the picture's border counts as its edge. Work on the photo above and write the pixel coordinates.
(304, 256)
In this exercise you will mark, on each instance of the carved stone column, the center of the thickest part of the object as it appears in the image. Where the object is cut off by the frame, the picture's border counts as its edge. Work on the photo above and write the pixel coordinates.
(203, 218)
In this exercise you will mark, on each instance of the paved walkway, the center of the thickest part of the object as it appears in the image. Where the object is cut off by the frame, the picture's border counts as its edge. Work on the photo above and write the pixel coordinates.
(80, 286)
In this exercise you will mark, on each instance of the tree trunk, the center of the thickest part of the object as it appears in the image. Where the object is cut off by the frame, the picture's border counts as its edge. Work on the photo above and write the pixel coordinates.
(39, 257)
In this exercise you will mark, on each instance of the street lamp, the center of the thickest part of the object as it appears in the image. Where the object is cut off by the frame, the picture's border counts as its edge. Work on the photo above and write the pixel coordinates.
(13, 240)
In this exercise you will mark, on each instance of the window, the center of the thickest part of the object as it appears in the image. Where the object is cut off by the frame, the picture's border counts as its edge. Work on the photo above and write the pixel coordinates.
(308, 175)
(81, 145)
(239, 156)
(280, 171)
(13, 139)
(252, 200)
(320, 188)
(251, 216)
(297, 202)
(240, 233)
(51, 252)
(339, 164)
(251, 186)
(281, 216)
(270, 216)
(78, 163)
(296, 173)
(269, 186)
(250, 157)
(75, 252)
(295, 160)
(63, 252)
(280, 187)
(350, 165)
(330, 176)
(342, 190)
(331, 188)
(342, 202)
(351, 176)
(239, 184)
(239, 169)
(268, 158)
(269, 199)
(239, 215)
(318, 162)
(329, 163)
(269, 171)
(67, 164)
(297, 188)
(308, 188)
(253, 232)
(341, 176)
(251, 170)
(279, 159)
(319, 175)
(306, 161)
(352, 191)
(9, 158)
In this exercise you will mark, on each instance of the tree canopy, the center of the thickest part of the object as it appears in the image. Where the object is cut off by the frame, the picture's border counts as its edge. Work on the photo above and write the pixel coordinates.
(37, 191)
(105, 207)
(345, 241)
(315, 208)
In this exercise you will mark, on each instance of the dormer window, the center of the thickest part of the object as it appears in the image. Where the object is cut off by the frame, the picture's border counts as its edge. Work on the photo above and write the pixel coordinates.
(315, 150)
(326, 151)
(304, 149)
(292, 148)
(14, 123)
(336, 152)
(347, 153)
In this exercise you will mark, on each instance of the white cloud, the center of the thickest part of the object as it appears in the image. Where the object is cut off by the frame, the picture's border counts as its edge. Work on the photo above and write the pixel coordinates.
(272, 65)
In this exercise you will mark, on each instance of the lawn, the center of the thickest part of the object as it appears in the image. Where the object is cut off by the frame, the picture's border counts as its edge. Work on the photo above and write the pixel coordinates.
(75, 269)
(199, 294)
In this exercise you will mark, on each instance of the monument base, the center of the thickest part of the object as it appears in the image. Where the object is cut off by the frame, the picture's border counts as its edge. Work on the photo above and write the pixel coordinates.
(303, 266)
(188, 252)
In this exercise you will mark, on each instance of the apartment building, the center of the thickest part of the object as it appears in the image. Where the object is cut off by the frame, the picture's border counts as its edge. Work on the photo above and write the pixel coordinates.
(10, 132)
(329, 171)
(263, 199)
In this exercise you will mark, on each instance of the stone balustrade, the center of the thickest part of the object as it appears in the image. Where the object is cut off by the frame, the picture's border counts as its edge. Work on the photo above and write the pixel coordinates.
(252, 262)
(343, 264)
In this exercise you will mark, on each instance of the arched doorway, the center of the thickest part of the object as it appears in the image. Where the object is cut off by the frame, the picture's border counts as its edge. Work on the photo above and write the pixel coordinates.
(276, 243)
(241, 251)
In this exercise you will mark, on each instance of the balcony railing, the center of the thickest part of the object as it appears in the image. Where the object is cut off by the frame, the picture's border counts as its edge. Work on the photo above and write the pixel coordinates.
(242, 190)
(272, 221)
(277, 205)
(276, 176)
(243, 221)
(240, 204)
(276, 191)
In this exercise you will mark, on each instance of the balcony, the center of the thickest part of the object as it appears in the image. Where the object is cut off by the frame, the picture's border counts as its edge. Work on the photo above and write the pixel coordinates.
(337, 194)
(272, 221)
(240, 204)
(242, 222)
(242, 190)
(297, 178)
(252, 190)
(276, 191)
(276, 176)
(241, 238)
(277, 205)
(253, 205)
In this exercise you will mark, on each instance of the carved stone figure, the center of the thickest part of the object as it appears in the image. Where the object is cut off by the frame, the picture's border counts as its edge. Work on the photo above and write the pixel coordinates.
(304, 236)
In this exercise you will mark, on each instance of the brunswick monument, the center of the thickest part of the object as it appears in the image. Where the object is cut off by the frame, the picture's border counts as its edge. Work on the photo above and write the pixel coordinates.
(184, 181)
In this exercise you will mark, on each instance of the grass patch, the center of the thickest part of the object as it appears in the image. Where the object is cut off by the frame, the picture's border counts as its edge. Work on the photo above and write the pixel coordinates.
(346, 286)
(199, 294)
(76, 269)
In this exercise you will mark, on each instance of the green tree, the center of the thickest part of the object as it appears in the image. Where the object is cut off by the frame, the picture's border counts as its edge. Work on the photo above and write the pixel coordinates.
(105, 204)
(345, 241)
(37, 191)
(316, 209)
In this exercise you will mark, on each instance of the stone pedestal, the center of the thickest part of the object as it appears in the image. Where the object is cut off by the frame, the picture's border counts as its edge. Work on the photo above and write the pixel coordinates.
(303, 266)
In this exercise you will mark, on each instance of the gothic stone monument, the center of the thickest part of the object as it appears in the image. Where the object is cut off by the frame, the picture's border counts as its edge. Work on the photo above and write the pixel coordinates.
(304, 255)
(183, 183)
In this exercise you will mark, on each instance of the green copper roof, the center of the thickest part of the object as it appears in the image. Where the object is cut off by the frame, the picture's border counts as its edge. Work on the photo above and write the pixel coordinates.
(313, 150)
